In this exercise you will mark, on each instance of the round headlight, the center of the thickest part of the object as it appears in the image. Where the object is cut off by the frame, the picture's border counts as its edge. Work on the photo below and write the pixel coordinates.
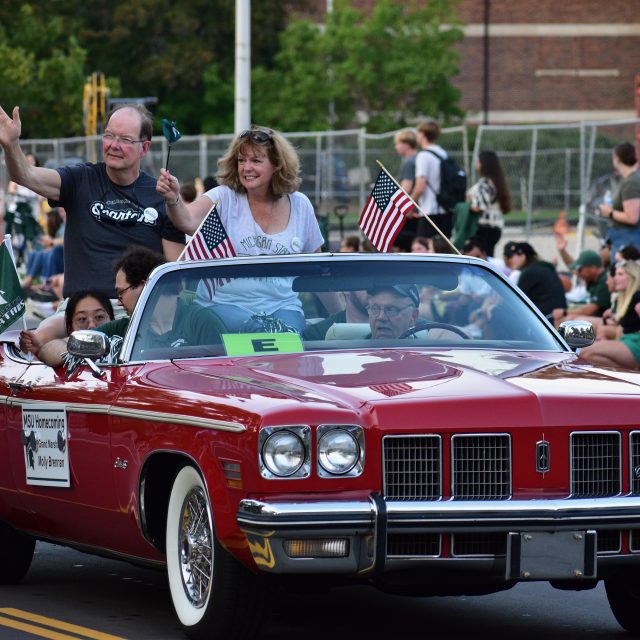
(338, 451)
(283, 453)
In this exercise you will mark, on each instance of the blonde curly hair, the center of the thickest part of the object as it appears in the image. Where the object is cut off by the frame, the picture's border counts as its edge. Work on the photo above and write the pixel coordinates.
(277, 148)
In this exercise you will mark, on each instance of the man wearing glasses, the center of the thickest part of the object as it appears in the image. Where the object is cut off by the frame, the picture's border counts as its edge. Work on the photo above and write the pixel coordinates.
(110, 205)
(392, 310)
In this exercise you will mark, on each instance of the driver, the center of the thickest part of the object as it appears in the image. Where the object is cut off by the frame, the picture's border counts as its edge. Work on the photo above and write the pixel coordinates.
(392, 310)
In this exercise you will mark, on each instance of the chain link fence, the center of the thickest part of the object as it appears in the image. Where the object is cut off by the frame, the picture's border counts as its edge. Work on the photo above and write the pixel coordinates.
(549, 167)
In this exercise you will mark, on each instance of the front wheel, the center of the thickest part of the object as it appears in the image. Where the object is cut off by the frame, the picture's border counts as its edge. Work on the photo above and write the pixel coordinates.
(213, 594)
(16, 553)
(623, 593)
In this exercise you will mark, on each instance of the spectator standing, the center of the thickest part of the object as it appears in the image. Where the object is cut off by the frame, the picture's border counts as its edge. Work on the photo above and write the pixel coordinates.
(427, 182)
(406, 146)
(490, 198)
(624, 213)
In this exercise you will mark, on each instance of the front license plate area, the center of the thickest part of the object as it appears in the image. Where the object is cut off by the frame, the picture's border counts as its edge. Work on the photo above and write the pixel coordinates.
(546, 555)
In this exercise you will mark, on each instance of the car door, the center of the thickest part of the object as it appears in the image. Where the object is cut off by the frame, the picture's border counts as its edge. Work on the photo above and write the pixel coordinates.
(58, 433)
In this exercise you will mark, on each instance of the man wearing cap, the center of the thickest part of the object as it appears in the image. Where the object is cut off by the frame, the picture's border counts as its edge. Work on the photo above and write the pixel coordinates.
(392, 310)
(589, 268)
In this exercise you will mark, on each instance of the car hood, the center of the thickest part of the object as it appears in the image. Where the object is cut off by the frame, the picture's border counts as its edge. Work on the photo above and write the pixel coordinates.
(492, 386)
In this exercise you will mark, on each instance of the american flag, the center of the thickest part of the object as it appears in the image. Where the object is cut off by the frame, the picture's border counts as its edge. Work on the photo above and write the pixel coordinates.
(384, 213)
(210, 241)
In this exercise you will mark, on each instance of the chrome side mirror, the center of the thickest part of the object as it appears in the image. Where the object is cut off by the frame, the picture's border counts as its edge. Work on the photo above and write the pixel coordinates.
(88, 344)
(577, 333)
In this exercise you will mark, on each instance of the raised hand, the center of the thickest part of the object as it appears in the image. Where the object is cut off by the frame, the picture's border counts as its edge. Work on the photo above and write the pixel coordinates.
(10, 127)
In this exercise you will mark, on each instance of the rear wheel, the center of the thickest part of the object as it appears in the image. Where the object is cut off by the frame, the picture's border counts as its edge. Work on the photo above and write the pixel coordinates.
(16, 553)
(623, 593)
(213, 594)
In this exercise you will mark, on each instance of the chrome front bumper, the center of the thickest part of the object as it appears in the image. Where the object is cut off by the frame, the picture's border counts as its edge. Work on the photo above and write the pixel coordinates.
(367, 523)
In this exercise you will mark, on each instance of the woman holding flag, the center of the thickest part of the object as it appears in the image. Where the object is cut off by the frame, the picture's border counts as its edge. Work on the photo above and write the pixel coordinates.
(258, 211)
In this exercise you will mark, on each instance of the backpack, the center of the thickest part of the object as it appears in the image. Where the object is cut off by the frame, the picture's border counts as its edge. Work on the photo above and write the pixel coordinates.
(453, 183)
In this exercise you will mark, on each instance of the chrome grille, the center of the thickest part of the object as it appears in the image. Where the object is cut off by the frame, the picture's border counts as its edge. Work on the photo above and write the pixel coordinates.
(413, 545)
(595, 464)
(478, 544)
(635, 462)
(481, 467)
(412, 467)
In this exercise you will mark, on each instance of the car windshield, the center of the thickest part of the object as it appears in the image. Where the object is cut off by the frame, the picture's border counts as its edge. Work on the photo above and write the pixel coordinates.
(263, 306)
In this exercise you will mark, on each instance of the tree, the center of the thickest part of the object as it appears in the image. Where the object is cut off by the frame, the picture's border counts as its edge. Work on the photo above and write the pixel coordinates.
(42, 72)
(392, 66)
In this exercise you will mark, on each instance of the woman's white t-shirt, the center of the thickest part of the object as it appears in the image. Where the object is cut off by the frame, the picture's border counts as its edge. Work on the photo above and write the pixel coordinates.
(302, 235)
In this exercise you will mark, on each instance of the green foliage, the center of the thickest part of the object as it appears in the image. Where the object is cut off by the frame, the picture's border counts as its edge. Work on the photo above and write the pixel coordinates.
(42, 71)
(393, 65)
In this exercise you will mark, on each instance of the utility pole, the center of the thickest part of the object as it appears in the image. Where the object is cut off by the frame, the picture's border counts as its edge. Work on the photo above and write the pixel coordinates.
(242, 114)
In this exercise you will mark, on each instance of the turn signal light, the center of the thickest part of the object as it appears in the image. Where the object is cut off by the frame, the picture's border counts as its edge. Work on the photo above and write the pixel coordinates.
(322, 548)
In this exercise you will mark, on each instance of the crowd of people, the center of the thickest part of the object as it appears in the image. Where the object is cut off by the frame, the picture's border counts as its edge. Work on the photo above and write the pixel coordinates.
(91, 216)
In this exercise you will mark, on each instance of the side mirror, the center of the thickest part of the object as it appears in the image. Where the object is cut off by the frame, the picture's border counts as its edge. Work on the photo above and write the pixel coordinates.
(577, 333)
(88, 344)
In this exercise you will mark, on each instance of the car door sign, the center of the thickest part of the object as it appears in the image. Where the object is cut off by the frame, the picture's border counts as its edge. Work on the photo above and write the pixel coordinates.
(44, 440)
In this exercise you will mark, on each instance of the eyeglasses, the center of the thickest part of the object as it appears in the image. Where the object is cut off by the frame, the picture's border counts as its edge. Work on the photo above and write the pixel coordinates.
(391, 311)
(125, 141)
(256, 135)
(120, 292)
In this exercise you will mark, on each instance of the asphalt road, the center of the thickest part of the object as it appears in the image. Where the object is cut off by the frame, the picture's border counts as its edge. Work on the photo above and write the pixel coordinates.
(107, 600)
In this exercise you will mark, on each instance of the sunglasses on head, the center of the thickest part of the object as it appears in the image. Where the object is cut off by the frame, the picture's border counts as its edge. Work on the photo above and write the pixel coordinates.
(256, 135)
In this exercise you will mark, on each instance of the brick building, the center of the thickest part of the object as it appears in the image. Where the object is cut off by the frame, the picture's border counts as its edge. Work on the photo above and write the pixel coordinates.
(546, 61)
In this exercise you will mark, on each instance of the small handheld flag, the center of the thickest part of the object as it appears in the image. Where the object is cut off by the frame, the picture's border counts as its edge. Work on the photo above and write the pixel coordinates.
(171, 134)
(384, 212)
(208, 242)
(12, 305)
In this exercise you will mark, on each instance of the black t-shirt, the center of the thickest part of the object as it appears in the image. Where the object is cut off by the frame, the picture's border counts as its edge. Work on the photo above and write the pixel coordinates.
(630, 322)
(103, 219)
(540, 282)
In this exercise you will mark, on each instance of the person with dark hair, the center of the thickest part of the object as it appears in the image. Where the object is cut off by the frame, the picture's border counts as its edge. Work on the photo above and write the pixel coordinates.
(624, 213)
(538, 279)
(132, 269)
(490, 198)
(87, 310)
(350, 244)
(421, 244)
(110, 205)
(208, 183)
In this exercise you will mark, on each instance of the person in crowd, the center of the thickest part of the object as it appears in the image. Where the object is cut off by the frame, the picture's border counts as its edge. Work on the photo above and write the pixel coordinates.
(49, 260)
(110, 205)
(628, 252)
(421, 244)
(624, 213)
(405, 143)
(474, 246)
(440, 245)
(131, 272)
(589, 268)
(508, 251)
(350, 244)
(538, 279)
(392, 310)
(489, 197)
(623, 353)
(188, 192)
(427, 181)
(263, 213)
(621, 318)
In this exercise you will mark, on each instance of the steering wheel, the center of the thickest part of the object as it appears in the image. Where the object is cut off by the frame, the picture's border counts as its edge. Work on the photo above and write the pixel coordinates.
(427, 326)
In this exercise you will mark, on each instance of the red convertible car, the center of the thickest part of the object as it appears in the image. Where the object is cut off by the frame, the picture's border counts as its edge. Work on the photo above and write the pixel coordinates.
(411, 422)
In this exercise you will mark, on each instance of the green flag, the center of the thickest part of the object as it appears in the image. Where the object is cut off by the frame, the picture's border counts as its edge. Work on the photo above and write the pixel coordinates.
(11, 300)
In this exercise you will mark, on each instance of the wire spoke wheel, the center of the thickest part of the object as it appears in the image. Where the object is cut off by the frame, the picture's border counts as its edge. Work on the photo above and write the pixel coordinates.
(195, 540)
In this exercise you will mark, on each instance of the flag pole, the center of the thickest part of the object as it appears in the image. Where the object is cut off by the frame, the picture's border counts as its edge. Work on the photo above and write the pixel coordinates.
(195, 233)
(7, 241)
(431, 222)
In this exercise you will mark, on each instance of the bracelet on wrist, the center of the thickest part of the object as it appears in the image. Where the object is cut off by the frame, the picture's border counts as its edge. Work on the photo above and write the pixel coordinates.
(173, 204)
